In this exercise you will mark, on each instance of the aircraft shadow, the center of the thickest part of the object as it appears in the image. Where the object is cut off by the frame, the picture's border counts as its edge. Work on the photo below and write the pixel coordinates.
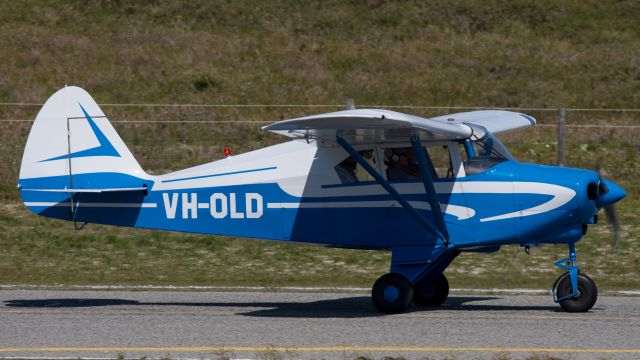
(348, 307)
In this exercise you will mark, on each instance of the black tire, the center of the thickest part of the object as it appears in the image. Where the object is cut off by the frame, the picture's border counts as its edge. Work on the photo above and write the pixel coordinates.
(392, 293)
(431, 292)
(584, 301)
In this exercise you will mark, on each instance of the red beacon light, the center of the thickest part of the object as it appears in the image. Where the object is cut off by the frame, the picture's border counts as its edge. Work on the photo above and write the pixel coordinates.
(227, 151)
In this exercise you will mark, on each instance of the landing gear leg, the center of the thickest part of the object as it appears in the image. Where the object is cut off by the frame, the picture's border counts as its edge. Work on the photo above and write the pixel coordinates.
(576, 292)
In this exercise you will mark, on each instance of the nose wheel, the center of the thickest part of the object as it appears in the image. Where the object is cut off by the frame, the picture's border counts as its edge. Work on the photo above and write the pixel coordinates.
(585, 297)
(574, 291)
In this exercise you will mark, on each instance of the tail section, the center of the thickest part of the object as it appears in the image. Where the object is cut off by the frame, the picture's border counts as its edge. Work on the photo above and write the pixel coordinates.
(74, 159)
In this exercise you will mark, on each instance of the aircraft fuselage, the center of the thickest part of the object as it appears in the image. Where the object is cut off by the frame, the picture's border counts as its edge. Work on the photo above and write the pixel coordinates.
(291, 192)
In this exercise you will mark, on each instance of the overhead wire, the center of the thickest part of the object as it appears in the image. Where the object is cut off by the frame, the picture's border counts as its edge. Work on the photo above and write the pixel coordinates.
(156, 105)
(598, 126)
(440, 107)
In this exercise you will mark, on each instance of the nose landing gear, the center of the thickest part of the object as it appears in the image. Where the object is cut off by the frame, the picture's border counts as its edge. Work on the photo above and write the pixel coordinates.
(576, 292)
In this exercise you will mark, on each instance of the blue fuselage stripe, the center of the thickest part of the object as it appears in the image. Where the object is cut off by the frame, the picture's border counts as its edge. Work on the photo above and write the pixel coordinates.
(221, 174)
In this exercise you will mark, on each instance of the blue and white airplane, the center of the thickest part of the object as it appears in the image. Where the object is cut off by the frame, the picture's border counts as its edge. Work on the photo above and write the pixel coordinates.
(425, 189)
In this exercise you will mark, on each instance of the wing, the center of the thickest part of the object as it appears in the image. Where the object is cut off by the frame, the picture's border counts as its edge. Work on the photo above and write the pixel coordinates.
(369, 125)
(378, 125)
(496, 121)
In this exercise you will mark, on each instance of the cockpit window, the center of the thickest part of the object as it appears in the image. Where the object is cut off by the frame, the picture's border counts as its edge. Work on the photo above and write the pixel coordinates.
(401, 163)
(349, 171)
(484, 151)
(441, 161)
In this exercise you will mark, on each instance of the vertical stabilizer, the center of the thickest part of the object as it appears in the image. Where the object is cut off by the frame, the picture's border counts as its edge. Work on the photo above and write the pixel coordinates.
(72, 148)
(70, 129)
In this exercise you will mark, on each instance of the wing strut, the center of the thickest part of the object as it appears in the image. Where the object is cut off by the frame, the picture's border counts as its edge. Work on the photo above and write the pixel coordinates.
(427, 180)
(385, 184)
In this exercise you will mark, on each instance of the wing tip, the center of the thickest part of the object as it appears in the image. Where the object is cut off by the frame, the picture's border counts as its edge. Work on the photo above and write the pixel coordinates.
(530, 118)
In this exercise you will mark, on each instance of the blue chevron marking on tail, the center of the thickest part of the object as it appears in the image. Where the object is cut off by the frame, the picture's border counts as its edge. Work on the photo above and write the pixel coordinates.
(104, 149)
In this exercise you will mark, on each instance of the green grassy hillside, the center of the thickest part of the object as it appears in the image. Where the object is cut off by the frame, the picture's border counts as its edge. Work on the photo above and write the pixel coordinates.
(542, 54)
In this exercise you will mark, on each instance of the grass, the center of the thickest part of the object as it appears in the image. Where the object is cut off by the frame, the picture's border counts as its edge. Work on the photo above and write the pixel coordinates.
(572, 54)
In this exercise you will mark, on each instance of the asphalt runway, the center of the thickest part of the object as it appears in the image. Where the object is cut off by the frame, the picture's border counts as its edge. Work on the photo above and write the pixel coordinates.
(305, 325)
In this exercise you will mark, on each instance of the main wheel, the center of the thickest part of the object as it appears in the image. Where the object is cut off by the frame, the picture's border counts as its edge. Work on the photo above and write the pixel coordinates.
(431, 293)
(588, 293)
(392, 293)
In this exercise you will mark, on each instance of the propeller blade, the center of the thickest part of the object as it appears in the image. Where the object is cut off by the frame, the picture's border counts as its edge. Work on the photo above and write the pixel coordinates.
(612, 217)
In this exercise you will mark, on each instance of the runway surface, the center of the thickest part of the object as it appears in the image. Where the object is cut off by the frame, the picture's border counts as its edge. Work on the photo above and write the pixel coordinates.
(305, 325)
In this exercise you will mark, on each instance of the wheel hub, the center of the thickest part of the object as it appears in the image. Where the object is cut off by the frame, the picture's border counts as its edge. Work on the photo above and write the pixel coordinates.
(391, 293)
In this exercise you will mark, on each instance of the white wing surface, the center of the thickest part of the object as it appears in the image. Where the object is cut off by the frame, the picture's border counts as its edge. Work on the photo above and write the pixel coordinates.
(369, 125)
(496, 121)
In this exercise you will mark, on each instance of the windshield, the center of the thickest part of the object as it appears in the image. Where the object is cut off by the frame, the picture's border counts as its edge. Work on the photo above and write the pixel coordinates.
(484, 151)
(487, 146)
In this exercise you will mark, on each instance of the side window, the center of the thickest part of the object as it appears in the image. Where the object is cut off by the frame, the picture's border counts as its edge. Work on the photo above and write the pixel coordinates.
(441, 161)
(349, 171)
(401, 164)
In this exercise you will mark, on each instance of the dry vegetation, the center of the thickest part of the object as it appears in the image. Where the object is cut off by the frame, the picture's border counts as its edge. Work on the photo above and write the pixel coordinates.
(543, 54)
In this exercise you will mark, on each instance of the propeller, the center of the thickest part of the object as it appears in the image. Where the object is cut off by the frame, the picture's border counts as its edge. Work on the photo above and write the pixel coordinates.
(608, 194)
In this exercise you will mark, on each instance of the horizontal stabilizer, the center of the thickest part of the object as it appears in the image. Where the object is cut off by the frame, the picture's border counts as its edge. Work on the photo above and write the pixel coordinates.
(75, 191)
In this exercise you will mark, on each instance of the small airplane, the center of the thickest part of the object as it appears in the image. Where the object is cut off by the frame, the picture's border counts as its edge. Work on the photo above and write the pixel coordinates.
(425, 189)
